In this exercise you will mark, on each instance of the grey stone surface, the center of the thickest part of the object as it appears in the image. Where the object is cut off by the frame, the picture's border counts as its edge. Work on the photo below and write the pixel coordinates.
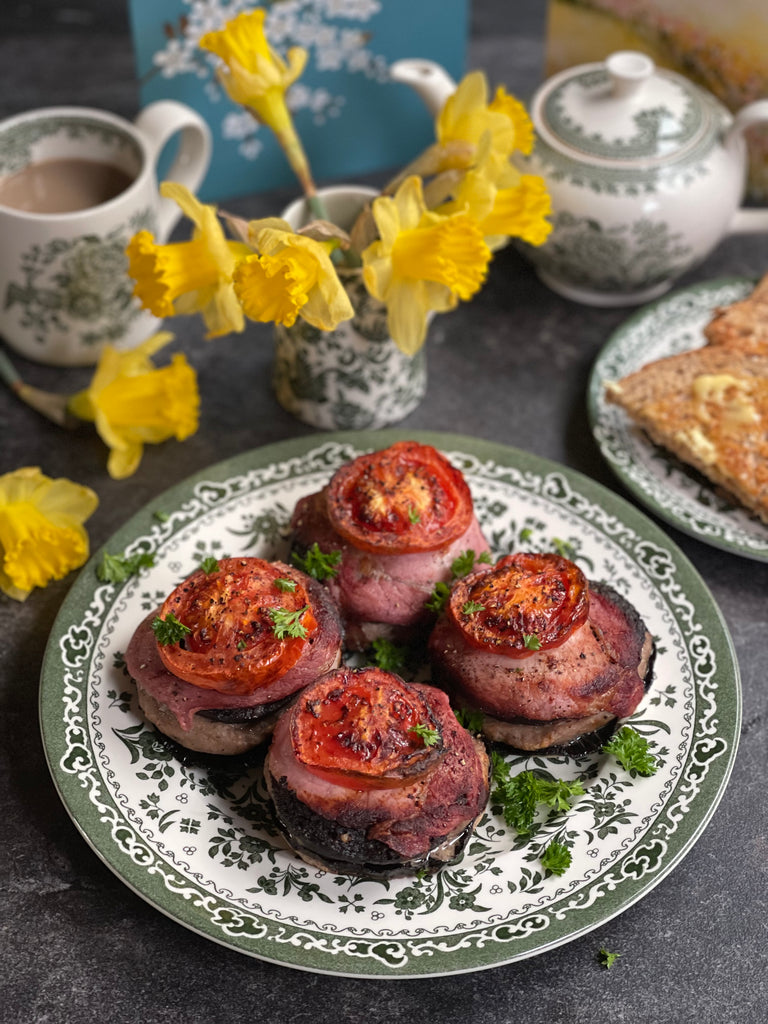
(512, 366)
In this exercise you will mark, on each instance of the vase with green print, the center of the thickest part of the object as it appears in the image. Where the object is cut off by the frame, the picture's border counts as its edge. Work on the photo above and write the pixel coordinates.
(354, 377)
(646, 173)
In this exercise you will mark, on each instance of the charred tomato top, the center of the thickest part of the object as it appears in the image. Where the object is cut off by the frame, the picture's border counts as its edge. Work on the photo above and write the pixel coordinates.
(406, 498)
(246, 623)
(525, 603)
(365, 728)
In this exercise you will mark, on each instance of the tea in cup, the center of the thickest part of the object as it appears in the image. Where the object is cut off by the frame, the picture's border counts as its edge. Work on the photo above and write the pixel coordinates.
(75, 185)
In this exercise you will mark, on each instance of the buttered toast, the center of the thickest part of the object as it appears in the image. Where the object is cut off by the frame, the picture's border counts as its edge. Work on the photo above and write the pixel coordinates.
(709, 407)
(742, 325)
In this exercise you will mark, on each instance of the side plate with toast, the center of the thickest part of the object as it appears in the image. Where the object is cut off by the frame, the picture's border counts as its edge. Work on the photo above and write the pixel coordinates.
(670, 489)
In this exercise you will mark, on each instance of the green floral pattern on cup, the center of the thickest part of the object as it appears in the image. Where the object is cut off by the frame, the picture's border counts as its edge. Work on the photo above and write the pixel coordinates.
(78, 286)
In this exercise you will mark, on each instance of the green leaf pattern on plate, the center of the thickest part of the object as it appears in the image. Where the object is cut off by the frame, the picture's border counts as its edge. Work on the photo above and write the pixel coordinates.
(201, 843)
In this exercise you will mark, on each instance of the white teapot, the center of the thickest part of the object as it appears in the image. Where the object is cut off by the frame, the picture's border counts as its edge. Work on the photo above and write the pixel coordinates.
(646, 172)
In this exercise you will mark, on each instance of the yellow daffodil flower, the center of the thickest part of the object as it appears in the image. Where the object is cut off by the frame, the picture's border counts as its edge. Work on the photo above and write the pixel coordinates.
(134, 403)
(41, 529)
(510, 205)
(189, 277)
(290, 275)
(255, 76)
(423, 262)
(467, 116)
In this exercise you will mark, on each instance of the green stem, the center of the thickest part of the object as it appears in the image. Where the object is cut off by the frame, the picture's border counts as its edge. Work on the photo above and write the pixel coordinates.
(8, 373)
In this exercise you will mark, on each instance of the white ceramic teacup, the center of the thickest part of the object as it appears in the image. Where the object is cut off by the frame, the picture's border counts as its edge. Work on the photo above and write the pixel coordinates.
(64, 287)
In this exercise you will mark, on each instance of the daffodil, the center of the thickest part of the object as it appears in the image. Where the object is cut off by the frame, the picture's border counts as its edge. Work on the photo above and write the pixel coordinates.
(288, 276)
(41, 529)
(193, 276)
(134, 403)
(256, 77)
(423, 262)
(467, 116)
(510, 204)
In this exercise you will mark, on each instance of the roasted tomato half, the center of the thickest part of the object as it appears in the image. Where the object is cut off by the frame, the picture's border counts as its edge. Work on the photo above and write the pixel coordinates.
(525, 603)
(248, 620)
(404, 499)
(365, 728)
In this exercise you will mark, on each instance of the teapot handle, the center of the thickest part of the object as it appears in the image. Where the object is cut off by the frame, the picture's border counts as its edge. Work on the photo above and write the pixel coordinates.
(747, 221)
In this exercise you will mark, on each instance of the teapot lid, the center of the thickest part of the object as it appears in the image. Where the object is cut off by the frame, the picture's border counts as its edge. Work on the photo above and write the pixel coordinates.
(622, 111)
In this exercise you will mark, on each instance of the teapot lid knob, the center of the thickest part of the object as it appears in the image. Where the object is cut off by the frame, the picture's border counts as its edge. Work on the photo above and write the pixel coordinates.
(628, 70)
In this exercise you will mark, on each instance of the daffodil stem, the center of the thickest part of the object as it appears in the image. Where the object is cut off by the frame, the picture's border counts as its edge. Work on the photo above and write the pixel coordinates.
(8, 373)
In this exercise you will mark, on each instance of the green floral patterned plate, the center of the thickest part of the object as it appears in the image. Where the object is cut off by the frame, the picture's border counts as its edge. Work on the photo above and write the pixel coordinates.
(673, 491)
(198, 840)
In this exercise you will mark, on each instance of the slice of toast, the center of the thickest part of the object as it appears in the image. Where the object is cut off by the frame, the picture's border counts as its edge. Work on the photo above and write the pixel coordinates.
(710, 408)
(742, 325)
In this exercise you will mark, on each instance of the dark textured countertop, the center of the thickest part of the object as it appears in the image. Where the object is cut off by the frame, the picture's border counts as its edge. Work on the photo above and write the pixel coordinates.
(512, 366)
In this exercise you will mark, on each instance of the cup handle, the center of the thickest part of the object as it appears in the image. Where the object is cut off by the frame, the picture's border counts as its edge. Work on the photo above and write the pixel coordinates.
(749, 221)
(157, 122)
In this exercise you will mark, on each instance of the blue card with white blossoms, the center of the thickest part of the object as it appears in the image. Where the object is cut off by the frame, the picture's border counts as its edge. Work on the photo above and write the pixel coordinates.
(351, 118)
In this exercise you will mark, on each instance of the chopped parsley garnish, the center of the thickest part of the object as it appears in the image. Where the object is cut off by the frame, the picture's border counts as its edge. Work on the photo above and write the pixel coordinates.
(521, 794)
(607, 960)
(117, 568)
(169, 630)
(526, 533)
(632, 751)
(390, 656)
(465, 562)
(470, 607)
(531, 641)
(556, 858)
(429, 736)
(241, 645)
(413, 514)
(282, 583)
(563, 548)
(285, 623)
(438, 599)
(321, 565)
(472, 720)
(160, 516)
(209, 564)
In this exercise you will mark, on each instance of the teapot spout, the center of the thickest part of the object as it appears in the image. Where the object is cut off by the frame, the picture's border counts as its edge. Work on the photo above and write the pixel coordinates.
(431, 81)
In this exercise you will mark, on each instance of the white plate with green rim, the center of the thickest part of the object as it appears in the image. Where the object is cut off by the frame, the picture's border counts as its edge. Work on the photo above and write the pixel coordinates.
(199, 842)
(673, 491)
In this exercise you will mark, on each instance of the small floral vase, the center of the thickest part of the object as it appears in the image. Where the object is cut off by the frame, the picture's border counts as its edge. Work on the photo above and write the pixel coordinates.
(355, 377)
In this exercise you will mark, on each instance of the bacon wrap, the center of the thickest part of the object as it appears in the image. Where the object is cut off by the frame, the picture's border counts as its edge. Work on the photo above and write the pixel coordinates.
(407, 818)
(184, 699)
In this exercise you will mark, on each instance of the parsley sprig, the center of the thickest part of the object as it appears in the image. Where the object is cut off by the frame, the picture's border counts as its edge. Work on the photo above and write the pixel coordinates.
(429, 736)
(390, 656)
(118, 568)
(321, 565)
(460, 566)
(556, 858)
(607, 959)
(521, 794)
(169, 630)
(288, 624)
(632, 751)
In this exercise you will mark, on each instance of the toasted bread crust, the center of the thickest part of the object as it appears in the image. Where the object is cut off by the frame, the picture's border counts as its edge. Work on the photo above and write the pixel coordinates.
(710, 408)
(742, 325)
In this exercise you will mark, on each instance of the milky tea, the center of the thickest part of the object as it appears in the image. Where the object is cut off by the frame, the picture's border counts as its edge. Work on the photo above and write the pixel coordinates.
(63, 185)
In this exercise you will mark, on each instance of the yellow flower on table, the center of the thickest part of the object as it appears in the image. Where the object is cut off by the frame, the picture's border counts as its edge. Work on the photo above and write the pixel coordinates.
(132, 402)
(290, 275)
(193, 276)
(423, 262)
(41, 529)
